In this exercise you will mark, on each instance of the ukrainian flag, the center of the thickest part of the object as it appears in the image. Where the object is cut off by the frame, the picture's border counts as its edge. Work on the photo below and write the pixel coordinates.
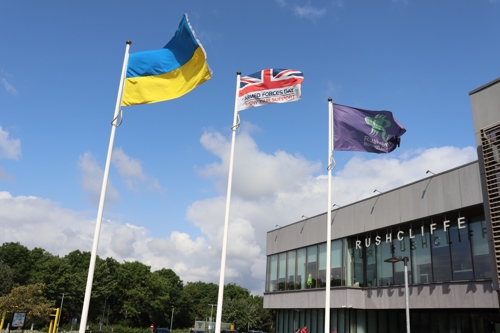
(168, 73)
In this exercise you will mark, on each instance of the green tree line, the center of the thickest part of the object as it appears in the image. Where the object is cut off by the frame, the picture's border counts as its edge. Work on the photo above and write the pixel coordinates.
(124, 294)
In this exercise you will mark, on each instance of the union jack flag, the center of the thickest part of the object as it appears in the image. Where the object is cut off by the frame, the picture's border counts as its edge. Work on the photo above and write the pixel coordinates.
(269, 86)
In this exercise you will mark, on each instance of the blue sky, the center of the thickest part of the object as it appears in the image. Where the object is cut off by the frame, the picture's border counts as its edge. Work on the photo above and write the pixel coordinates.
(60, 65)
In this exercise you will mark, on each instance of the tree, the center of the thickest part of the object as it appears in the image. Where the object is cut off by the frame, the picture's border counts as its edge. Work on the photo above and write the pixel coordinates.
(232, 291)
(244, 310)
(38, 257)
(264, 317)
(167, 293)
(199, 295)
(76, 282)
(105, 287)
(6, 280)
(17, 257)
(28, 299)
(135, 294)
(129, 292)
(54, 273)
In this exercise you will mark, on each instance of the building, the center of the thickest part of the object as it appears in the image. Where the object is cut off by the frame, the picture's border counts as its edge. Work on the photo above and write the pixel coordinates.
(447, 225)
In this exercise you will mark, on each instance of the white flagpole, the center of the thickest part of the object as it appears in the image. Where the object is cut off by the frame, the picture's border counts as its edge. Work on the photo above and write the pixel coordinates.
(114, 124)
(329, 217)
(235, 126)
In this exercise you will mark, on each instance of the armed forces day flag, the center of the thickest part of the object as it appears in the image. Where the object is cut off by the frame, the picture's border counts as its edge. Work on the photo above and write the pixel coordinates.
(363, 130)
(269, 86)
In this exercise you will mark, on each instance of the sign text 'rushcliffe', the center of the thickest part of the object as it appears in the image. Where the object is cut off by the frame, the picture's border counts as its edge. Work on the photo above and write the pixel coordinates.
(461, 223)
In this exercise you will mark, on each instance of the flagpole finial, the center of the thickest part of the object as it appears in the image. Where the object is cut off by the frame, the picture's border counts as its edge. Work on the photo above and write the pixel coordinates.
(238, 73)
(128, 42)
(329, 99)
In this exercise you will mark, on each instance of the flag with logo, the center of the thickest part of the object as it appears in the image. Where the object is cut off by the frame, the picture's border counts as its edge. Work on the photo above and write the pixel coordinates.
(364, 130)
(269, 86)
(167, 73)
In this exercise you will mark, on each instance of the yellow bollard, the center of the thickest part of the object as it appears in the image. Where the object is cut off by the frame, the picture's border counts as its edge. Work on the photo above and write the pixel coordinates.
(56, 321)
(1, 322)
(53, 323)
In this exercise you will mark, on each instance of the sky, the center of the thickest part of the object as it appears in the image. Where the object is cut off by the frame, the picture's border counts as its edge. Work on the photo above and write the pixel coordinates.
(60, 64)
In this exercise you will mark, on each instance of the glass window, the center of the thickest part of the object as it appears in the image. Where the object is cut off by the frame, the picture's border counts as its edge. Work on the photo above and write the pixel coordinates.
(393, 322)
(341, 321)
(371, 262)
(291, 270)
(273, 273)
(322, 265)
(440, 251)
(384, 269)
(480, 250)
(401, 249)
(300, 281)
(460, 250)
(383, 325)
(268, 271)
(441, 261)
(333, 320)
(372, 320)
(421, 255)
(360, 325)
(281, 271)
(312, 266)
(337, 265)
(356, 257)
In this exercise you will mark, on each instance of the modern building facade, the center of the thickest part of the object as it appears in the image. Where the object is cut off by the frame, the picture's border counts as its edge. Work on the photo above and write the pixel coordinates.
(447, 225)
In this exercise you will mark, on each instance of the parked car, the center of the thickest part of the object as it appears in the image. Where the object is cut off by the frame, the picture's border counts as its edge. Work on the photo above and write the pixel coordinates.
(162, 330)
(255, 331)
(197, 331)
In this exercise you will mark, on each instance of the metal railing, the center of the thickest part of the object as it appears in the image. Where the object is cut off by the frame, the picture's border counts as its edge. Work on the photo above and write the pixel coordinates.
(490, 145)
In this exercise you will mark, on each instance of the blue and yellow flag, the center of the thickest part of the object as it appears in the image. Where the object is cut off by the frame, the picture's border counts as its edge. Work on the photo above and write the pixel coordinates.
(168, 73)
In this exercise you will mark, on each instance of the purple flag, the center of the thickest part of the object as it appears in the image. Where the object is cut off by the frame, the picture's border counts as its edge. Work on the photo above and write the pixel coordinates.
(363, 130)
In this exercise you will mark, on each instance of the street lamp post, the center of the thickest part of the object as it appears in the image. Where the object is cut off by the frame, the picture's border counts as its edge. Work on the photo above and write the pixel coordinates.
(172, 319)
(60, 310)
(102, 318)
(393, 260)
(211, 312)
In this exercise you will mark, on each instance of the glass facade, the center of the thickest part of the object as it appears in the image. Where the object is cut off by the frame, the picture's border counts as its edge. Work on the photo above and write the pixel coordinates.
(388, 321)
(448, 248)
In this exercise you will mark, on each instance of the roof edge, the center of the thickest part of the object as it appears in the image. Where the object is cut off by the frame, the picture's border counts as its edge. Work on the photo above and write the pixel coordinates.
(484, 86)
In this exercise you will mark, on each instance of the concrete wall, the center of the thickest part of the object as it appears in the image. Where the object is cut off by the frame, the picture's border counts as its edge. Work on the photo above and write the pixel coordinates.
(485, 102)
(461, 295)
(441, 193)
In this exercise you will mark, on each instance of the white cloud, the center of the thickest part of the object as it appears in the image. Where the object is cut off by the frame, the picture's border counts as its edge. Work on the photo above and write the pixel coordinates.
(8, 87)
(385, 173)
(256, 174)
(306, 11)
(129, 169)
(268, 189)
(92, 176)
(37, 222)
(9, 148)
(309, 12)
(131, 172)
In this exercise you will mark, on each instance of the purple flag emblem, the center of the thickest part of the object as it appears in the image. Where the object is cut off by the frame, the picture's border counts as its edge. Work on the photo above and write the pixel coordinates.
(363, 130)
